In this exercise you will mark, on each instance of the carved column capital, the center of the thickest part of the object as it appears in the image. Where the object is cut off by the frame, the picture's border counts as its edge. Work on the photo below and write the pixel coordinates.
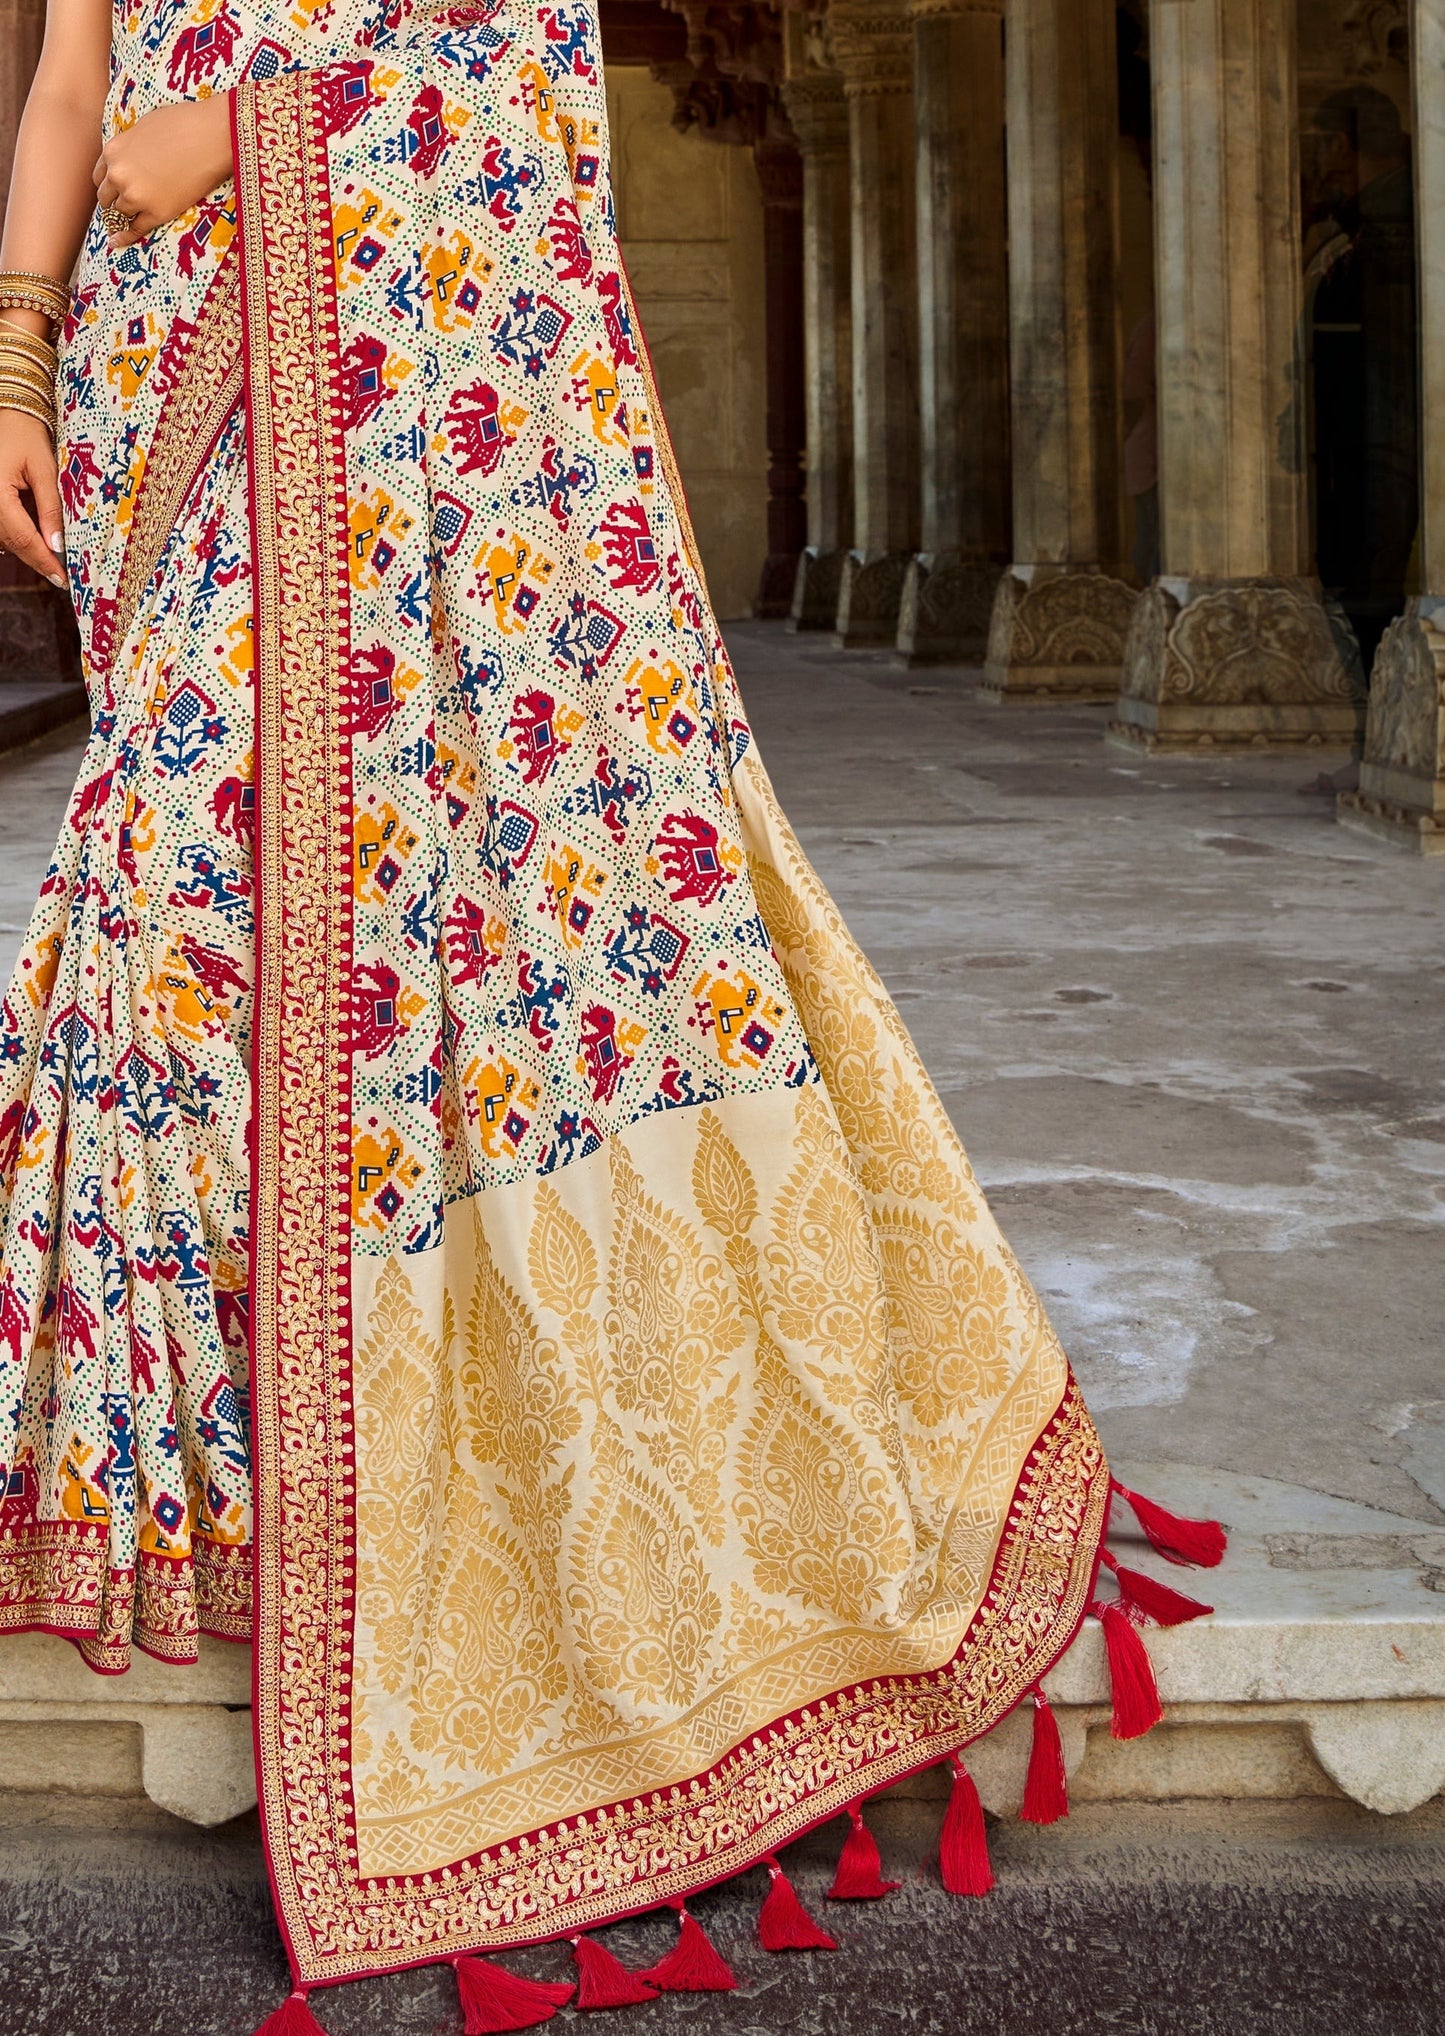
(817, 112)
(872, 47)
(929, 10)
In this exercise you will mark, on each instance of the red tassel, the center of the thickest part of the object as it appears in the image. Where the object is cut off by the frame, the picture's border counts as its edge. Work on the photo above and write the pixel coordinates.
(783, 1923)
(859, 1867)
(693, 1966)
(1046, 1787)
(494, 1999)
(604, 1981)
(292, 2018)
(1136, 1694)
(1156, 1601)
(963, 1842)
(1201, 1542)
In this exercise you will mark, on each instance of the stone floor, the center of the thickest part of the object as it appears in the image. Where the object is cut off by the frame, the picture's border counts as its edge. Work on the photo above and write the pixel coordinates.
(1189, 1922)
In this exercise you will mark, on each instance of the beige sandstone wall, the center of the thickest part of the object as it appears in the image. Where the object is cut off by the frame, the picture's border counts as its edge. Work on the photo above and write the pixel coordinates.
(690, 218)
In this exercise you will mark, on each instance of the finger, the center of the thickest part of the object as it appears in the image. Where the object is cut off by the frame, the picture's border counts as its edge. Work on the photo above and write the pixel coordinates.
(45, 493)
(139, 227)
(20, 536)
(100, 172)
(107, 192)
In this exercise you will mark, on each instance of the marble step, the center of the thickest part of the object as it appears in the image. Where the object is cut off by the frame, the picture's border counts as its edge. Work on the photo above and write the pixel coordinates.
(1320, 1675)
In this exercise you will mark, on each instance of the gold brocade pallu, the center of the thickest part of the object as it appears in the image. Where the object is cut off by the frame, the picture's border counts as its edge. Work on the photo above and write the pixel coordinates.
(655, 1448)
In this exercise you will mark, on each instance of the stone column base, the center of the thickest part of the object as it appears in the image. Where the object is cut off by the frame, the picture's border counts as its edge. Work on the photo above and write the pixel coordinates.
(947, 603)
(774, 598)
(816, 583)
(1057, 633)
(1234, 664)
(1401, 798)
(870, 593)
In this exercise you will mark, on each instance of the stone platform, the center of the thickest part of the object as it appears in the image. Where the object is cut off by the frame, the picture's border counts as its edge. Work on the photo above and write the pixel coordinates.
(1192, 1034)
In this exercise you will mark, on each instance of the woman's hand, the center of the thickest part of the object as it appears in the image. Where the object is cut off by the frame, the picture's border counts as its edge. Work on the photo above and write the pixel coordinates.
(27, 461)
(167, 162)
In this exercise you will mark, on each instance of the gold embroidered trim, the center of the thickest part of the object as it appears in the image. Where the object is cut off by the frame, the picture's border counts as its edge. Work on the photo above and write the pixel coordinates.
(301, 1327)
(205, 389)
(57, 1577)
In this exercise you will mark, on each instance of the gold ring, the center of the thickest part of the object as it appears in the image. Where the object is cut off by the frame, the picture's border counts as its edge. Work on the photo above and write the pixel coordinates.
(114, 220)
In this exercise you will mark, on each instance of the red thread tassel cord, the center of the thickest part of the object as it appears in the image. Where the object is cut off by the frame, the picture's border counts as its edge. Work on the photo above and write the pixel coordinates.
(963, 1842)
(1156, 1601)
(783, 1923)
(1136, 1694)
(292, 2018)
(494, 2000)
(1046, 1786)
(693, 1966)
(1201, 1542)
(859, 1875)
(604, 1981)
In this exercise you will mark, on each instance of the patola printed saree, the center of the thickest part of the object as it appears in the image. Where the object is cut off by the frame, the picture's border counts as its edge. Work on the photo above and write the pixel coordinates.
(475, 1224)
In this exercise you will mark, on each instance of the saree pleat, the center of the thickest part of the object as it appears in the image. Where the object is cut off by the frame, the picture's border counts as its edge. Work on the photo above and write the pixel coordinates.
(477, 1224)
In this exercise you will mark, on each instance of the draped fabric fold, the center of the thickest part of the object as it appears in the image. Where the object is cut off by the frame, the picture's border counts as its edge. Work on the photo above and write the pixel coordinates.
(653, 1445)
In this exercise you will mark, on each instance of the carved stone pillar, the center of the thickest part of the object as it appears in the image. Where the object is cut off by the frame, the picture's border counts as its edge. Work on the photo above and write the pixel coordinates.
(1062, 608)
(873, 48)
(962, 330)
(818, 113)
(1401, 797)
(1231, 645)
(37, 628)
(780, 176)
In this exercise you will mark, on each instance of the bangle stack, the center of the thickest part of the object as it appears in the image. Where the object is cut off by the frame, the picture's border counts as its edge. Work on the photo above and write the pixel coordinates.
(28, 362)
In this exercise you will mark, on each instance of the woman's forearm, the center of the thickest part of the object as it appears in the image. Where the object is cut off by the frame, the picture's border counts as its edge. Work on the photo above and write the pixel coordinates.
(52, 194)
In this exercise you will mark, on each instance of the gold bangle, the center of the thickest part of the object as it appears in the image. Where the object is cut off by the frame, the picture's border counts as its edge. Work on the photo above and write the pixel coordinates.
(25, 399)
(28, 290)
(41, 416)
(30, 392)
(33, 363)
(30, 370)
(39, 356)
(42, 355)
(31, 376)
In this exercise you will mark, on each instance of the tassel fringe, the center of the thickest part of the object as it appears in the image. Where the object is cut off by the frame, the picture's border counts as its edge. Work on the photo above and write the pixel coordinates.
(858, 1878)
(1198, 1542)
(494, 2000)
(292, 2018)
(1145, 1595)
(963, 1842)
(603, 1981)
(783, 1923)
(1046, 1786)
(1136, 1694)
(694, 1965)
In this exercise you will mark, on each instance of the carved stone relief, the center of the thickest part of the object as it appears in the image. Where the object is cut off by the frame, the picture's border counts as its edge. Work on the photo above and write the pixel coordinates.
(1041, 630)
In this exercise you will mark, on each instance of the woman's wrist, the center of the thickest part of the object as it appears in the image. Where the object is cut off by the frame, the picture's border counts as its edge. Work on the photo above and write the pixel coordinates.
(217, 130)
(27, 321)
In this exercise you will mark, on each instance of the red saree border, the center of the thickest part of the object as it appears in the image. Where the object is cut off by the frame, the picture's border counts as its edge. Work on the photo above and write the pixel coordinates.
(300, 1184)
(56, 1576)
(780, 1780)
